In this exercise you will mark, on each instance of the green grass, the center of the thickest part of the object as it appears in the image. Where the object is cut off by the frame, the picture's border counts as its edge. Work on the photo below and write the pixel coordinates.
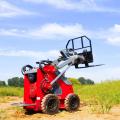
(11, 91)
(100, 97)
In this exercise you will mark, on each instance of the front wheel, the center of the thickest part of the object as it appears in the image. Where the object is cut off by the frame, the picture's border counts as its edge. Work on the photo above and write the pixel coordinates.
(72, 102)
(50, 104)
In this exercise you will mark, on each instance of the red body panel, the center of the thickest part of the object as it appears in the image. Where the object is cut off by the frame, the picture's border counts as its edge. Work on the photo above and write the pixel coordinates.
(33, 93)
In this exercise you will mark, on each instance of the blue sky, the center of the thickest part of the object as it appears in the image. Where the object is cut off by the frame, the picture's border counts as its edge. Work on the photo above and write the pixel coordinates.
(32, 30)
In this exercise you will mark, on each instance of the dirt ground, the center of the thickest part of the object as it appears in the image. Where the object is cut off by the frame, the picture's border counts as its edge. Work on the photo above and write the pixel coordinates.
(8, 112)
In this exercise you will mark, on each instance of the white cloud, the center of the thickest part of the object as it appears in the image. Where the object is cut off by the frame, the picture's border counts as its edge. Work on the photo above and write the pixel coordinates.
(9, 10)
(81, 5)
(47, 31)
(54, 31)
(113, 35)
(32, 54)
(12, 32)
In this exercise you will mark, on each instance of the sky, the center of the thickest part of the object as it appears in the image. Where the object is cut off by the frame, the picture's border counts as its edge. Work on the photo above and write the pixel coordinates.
(33, 30)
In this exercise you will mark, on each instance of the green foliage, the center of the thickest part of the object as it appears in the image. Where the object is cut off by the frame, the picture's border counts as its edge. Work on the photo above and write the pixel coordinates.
(74, 81)
(82, 80)
(100, 97)
(15, 81)
(11, 91)
(2, 83)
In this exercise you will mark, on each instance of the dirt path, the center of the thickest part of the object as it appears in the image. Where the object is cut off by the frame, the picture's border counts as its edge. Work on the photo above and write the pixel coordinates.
(11, 100)
(83, 113)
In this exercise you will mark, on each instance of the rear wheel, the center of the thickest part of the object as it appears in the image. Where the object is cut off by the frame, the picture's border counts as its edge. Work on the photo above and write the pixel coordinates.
(50, 104)
(72, 102)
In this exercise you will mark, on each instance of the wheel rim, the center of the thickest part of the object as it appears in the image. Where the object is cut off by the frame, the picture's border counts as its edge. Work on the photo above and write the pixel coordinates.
(74, 103)
(52, 105)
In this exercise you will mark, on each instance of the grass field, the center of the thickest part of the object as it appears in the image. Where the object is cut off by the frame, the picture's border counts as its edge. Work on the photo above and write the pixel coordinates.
(99, 97)
(11, 91)
(7, 92)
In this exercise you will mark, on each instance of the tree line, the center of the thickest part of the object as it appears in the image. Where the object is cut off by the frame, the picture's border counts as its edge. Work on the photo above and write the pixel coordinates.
(15, 81)
(18, 81)
(82, 81)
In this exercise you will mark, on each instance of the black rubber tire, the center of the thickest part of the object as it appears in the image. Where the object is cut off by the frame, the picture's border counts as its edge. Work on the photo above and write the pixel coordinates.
(50, 104)
(72, 102)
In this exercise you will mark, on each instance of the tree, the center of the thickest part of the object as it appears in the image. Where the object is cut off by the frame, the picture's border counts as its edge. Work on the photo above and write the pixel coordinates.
(21, 82)
(90, 81)
(16, 81)
(82, 80)
(2, 83)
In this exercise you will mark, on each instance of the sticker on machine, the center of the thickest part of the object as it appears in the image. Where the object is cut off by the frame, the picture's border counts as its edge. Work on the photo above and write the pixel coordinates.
(38, 98)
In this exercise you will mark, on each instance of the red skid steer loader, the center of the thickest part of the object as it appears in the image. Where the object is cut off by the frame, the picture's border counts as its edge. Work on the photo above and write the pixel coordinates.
(47, 89)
